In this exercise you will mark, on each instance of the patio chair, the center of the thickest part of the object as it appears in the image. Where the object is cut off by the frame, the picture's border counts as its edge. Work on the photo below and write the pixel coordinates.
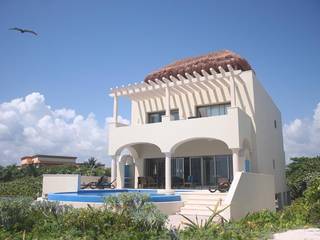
(100, 184)
(177, 182)
(190, 182)
(151, 182)
(223, 185)
(142, 182)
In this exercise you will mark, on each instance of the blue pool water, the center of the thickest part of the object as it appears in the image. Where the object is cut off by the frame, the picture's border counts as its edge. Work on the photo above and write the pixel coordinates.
(98, 196)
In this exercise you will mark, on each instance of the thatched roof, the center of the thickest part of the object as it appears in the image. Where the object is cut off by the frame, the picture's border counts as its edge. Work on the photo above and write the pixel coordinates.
(205, 62)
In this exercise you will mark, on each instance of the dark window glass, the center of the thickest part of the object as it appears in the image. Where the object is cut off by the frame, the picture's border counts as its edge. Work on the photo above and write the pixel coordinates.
(155, 117)
(174, 115)
(212, 110)
(275, 123)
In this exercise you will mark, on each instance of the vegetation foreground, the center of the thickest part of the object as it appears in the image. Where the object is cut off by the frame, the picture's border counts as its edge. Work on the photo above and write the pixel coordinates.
(131, 216)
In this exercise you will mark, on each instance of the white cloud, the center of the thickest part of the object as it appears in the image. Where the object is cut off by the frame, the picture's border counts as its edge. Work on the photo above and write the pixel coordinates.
(29, 126)
(302, 136)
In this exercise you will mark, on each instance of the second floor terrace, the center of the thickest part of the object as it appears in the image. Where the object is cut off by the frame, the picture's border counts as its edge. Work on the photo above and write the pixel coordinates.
(193, 88)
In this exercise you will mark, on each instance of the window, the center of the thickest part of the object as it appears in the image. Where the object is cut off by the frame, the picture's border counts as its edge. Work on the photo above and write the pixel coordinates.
(212, 110)
(274, 164)
(174, 115)
(275, 123)
(155, 117)
(247, 165)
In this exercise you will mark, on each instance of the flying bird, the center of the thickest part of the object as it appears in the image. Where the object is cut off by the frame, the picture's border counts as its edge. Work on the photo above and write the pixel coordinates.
(23, 30)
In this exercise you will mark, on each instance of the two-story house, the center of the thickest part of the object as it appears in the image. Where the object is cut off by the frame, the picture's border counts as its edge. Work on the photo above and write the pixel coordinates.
(197, 120)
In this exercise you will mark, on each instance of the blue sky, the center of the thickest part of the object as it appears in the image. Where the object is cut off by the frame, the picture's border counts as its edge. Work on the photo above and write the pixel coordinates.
(86, 47)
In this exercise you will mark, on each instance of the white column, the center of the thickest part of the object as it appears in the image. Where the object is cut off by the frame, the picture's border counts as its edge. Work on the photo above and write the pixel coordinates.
(167, 102)
(233, 92)
(115, 108)
(235, 160)
(113, 168)
(120, 174)
(168, 172)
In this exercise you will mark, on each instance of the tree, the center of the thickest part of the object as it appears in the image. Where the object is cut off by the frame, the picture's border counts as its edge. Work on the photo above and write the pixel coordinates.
(300, 172)
(92, 162)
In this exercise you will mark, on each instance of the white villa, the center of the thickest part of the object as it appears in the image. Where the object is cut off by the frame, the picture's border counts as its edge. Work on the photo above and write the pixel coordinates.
(198, 120)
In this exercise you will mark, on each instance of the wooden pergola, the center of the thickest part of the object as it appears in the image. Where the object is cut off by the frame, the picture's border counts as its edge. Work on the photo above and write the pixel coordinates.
(223, 86)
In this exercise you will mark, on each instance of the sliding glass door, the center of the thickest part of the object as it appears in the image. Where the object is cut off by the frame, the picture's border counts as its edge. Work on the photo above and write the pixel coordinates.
(196, 170)
(219, 166)
(201, 171)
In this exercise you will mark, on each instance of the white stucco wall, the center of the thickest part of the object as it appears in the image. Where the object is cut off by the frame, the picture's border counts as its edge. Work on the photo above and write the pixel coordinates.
(52, 183)
(231, 128)
(249, 193)
(269, 140)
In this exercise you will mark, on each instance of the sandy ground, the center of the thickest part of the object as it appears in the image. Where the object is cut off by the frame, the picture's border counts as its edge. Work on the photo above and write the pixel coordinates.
(299, 234)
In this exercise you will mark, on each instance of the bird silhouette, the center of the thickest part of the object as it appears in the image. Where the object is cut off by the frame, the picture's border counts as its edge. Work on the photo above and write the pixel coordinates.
(23, 30)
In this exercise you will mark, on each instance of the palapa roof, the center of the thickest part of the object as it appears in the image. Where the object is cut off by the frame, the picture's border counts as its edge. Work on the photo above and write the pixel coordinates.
(205, 62)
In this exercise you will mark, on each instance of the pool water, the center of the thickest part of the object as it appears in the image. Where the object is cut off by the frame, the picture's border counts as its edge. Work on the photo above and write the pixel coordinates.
(98, 196)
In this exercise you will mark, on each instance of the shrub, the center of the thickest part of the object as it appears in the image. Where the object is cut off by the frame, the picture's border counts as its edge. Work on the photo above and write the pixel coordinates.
(300, 172)
(26, 187)
(15, 214)
(135, 206)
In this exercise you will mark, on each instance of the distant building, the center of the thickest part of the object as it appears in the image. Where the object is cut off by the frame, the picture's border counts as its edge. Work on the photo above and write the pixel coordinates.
(47, 160)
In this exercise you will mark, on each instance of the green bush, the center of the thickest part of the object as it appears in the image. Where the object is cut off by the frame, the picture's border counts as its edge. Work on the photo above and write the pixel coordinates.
(26, 187)
(300, 172)
(13, 172)
(15, 214)
(24, 218)
(144, 215)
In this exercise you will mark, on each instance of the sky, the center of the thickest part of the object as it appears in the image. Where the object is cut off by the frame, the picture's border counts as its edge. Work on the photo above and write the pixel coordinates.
(54, 87)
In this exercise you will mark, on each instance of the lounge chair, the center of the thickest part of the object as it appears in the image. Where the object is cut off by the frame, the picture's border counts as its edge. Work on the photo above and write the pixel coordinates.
(100, 184)
(223, 185)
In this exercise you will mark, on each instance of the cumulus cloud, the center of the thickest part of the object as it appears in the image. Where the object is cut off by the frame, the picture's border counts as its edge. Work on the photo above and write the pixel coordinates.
(30, 126)
(302, 136)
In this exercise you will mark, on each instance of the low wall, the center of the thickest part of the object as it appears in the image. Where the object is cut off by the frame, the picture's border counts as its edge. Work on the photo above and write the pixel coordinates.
(60, 183)
(250, 192)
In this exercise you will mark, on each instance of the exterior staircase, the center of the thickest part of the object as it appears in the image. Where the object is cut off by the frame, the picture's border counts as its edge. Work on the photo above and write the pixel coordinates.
(197, 203)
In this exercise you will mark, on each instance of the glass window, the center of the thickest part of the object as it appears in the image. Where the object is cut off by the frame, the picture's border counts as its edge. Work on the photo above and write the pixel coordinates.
(155, 117)
(202, 112)
(174, 115)
(212, 110)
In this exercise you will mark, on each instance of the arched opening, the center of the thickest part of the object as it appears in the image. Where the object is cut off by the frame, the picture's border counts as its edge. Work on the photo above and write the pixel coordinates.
(147, 163)
(201, 162)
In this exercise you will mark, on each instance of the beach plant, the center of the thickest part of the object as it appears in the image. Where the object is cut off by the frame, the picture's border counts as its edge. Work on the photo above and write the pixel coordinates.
(15, 214)
(135, 206)
(214, 218)
(300, 172)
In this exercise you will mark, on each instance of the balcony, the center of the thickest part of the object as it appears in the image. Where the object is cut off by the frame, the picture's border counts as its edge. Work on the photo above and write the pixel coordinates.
(231, 128)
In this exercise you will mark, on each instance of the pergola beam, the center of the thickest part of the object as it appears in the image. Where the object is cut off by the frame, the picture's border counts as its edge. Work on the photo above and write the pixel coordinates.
(188, 84)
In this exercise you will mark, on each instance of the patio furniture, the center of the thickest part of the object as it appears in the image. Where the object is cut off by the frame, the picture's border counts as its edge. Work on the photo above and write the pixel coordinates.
(223, 185)
(190, 182)
(100, 184)
(142, 182)
(177, 182)
(151, 182)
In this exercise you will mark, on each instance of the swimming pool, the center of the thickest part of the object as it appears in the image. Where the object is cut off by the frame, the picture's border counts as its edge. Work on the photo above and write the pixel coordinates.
(98, 196)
